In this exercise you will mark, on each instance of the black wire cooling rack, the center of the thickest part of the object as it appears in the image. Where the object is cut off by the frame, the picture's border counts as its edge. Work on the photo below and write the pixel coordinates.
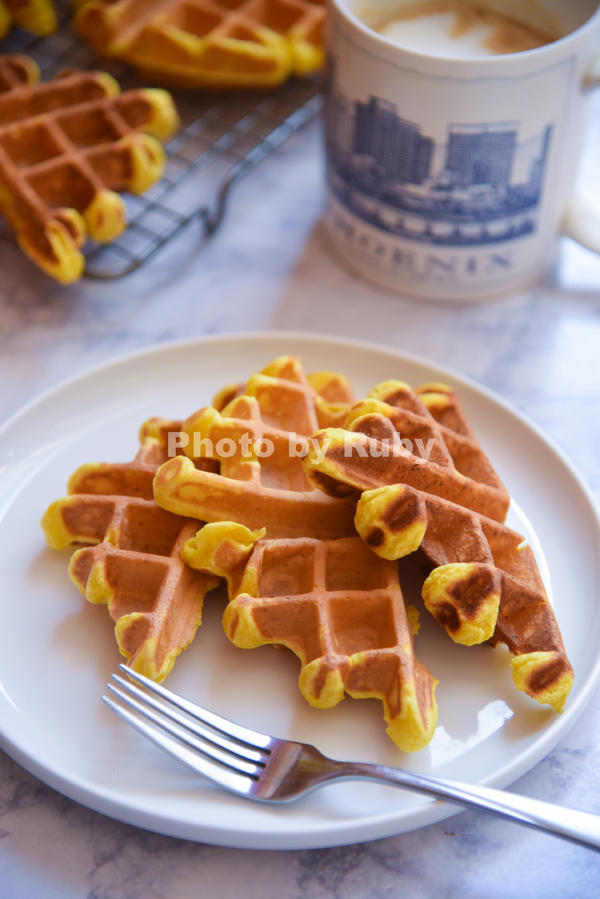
(222, 137)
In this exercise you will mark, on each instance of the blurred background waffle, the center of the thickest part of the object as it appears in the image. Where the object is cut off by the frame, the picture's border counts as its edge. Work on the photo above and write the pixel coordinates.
(223, 136)
(209, 43)
(36, 16)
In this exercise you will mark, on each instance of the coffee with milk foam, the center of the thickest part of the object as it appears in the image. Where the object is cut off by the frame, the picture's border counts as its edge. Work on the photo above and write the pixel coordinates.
(459, 28)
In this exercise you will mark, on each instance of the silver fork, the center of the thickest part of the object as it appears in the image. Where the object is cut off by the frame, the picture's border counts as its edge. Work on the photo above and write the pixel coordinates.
(270, 770)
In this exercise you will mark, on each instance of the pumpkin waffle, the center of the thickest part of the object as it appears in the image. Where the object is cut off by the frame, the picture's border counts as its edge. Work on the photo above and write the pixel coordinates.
(133, 563)
(332, 396)
(209, 43)
(16, 70)
(443, 404)
(66, 147)
(309, 583)
(485, 583)
(337, 606)
(432, 418)
(258, 439)
(36, 16)
(371, 451)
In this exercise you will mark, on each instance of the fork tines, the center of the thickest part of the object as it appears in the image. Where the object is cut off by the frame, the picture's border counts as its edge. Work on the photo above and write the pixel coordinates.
(209, 744)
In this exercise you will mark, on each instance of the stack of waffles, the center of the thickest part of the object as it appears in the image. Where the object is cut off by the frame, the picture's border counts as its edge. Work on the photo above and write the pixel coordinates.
(209, 43)
(484, 583)
(301, 501)
(68, 147)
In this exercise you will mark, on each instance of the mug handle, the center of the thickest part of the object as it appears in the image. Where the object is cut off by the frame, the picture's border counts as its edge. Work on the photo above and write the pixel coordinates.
(592, 77)
(582, 224)
(582, 220)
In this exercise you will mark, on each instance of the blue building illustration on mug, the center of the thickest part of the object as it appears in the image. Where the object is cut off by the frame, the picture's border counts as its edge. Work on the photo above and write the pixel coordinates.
(481, 186)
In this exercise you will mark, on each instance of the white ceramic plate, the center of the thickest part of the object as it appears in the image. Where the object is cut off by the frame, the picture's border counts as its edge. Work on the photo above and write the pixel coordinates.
(57, 652)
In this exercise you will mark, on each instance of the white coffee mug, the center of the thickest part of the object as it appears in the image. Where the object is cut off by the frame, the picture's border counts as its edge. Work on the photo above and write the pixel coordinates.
(452, 178)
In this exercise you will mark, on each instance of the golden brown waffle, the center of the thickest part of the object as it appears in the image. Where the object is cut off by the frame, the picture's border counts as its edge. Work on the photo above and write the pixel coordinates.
(258, 439)
(337, 606)
(16, 70)
(134, 563)
(332, 601)
(444, 405)
(433, 415)
(333, 399)
(65, 148)
(485, 584)
(331, 394)
(209, 43)
(369, 452)
(37, 16)
(135, 566)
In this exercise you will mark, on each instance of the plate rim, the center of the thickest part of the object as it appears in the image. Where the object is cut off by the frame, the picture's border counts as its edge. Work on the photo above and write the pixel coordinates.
(335, 833)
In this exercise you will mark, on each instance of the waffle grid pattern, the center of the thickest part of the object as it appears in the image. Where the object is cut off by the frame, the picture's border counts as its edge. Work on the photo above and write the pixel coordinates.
(222, 138)
(65, 146)
(338, 607)
(220, 43)
(279, 406)
(134, 561)
(323, 579)
(450, 448)
(396, 518)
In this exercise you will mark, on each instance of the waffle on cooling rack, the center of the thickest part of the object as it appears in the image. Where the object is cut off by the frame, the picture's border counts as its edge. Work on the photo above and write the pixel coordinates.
(209, 43)
(36, 16)
(67, 147)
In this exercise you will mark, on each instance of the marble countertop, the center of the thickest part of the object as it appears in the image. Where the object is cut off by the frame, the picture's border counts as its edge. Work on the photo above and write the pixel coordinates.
(538, 350)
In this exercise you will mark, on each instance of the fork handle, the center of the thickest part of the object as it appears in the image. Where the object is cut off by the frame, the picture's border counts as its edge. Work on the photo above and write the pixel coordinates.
(579, 827)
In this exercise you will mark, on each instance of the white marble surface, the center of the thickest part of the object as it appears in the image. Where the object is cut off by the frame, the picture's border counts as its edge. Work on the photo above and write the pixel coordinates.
(269, 267)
